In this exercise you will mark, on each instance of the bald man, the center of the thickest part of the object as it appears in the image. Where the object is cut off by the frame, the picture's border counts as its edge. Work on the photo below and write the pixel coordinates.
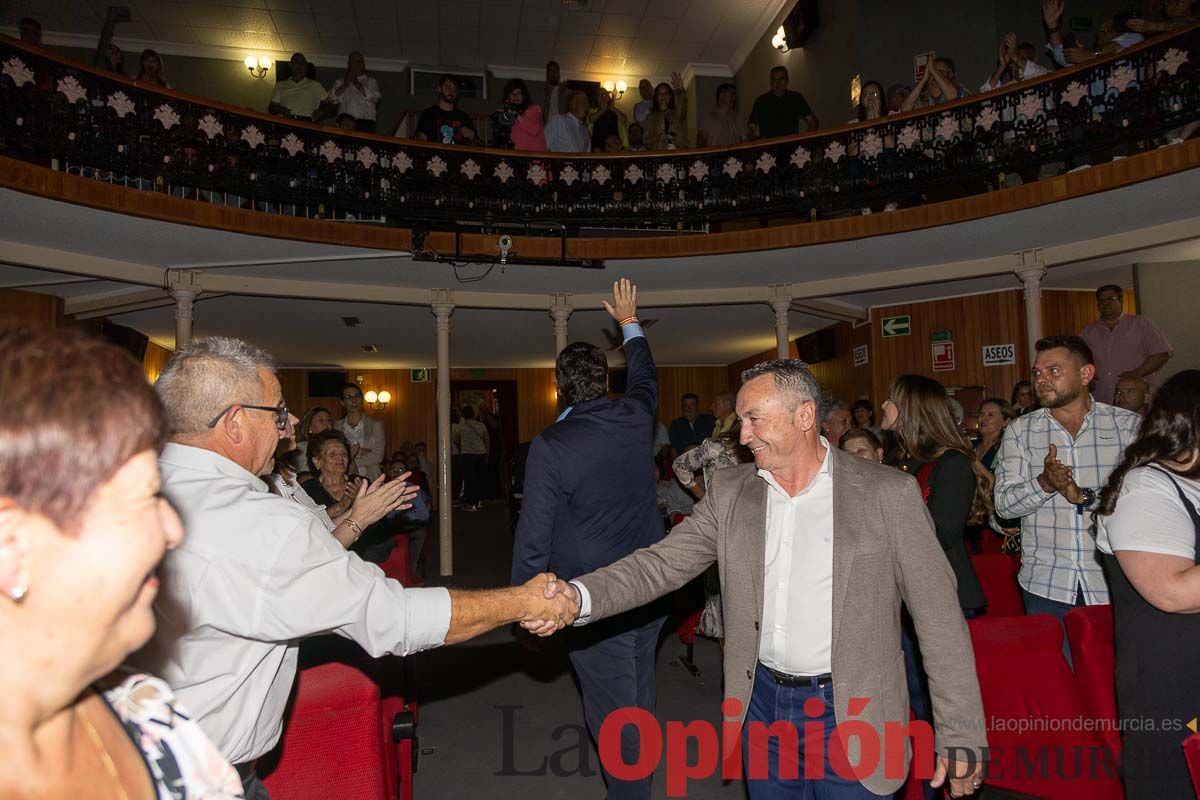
(1132, 394)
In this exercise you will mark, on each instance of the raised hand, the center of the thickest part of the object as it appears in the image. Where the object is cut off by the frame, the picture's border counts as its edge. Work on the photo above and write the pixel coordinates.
(373, 501)
(1052, 11)
(624, 305)
(676, 82)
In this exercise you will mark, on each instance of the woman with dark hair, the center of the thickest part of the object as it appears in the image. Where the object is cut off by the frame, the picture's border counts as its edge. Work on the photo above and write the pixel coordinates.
(956, 487)
(607, 120)
(872, 102)
(527, 129)
(863, 414)
(151, 69)
(329, 462)
(862, 443)
(82, 530)
(1023, 399)
(1148, 532)
(666, 124)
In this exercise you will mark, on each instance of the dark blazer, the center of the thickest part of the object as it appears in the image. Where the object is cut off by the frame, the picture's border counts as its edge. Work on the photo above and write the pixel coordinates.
(589, 496)
(884, 553)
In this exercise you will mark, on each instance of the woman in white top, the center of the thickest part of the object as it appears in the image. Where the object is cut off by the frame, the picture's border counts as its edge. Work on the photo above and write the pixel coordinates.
(473, 448)
(1148, 529)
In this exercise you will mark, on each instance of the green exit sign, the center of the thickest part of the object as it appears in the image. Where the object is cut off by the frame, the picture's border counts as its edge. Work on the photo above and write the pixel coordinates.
(941, 336)
(476, 372)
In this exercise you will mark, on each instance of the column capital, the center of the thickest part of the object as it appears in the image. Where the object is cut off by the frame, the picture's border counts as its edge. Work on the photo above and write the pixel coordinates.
(441, 298)
(183, 283)
(1031, 276)
(560, 307)
(1031, 265)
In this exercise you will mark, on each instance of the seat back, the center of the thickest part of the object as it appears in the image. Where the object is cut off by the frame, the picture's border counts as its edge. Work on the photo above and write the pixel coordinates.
(997, 575)
(1090, 635)
(1191, 752)
(332, 744)
(1034, 709)
(396, 566)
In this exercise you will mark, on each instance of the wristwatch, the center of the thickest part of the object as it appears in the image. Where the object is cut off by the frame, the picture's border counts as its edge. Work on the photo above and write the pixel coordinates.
(1089, 500)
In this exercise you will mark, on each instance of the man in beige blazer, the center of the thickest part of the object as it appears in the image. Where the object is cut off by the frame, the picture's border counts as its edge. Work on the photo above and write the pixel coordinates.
(817, 550)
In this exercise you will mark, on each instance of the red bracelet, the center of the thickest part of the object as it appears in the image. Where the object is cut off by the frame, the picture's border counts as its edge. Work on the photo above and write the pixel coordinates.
(628, 321)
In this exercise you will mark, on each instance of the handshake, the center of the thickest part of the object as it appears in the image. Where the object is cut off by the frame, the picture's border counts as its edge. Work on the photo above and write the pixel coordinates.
(551, 604)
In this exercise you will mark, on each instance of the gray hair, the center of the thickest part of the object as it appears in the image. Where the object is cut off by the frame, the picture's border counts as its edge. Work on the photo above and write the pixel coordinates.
(832, 406)
(204, 377)
(792, 380)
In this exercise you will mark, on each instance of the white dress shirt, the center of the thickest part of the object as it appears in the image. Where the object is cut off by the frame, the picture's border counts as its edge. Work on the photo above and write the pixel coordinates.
(566, 133)
(797, 629)
(254, 575)
(352, 101)
(797, 626)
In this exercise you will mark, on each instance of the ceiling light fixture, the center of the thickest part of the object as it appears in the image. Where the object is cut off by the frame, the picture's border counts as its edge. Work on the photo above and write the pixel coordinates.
(258, 65)
(779, 40)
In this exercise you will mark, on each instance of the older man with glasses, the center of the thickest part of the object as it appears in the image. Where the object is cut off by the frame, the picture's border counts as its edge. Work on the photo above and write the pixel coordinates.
(259, 572)
(1124, 345)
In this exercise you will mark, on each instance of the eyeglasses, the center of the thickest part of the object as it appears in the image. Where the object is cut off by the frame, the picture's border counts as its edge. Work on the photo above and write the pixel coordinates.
(281, 414)
(1103, 300)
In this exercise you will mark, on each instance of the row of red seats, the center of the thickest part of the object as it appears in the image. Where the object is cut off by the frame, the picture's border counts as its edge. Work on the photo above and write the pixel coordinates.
(351, 732)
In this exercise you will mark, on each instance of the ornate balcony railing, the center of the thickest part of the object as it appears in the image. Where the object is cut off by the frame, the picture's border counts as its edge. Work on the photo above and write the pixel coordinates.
(104, 125)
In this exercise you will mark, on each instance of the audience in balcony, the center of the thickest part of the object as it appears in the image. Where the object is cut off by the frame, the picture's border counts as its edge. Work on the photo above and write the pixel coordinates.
(606, 120)
(356, 93)
(1133, 394)
(665, 127)
(443, 122)
(82, 527)
(1148, 529)
(31, 31)
(1124, 345)
(722, 127)
(1014, 62)
(691, 427)
(299, 96)
(1052, 462)
(108, 54)
(364, 434)
(780, 111)
(554, 101)
(636, 137)
(568, 133)
(896, 95)
(151, 70)
(938, 85)
(646, 104)
(518, 124)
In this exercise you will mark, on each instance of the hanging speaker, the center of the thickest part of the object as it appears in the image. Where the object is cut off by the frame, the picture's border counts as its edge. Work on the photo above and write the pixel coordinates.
(801, 22)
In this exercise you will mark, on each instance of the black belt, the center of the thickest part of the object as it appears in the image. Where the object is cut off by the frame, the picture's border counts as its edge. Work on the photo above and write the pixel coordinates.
(810, 681)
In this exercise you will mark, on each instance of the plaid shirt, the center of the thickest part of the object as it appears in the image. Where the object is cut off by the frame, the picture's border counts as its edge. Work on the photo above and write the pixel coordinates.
(1058, 551)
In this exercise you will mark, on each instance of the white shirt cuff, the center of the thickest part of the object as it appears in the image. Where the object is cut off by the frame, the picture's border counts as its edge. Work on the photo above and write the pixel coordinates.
(585, 603)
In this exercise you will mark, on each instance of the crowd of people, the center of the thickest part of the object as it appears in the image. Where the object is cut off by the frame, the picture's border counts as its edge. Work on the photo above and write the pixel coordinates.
(583, 117)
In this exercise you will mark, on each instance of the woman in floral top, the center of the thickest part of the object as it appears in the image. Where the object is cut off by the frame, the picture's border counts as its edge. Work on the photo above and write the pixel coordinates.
(82, 528)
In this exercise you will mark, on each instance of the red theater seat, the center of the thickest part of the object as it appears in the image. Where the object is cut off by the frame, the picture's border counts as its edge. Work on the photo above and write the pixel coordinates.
(397, 566)
(997, 575)
(1090, 634)
(1191, 751)
(332, 744)
(1037, 719)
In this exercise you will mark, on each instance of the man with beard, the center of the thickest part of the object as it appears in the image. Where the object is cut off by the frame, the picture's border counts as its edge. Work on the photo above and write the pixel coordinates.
(1052, 463)
(443, 122)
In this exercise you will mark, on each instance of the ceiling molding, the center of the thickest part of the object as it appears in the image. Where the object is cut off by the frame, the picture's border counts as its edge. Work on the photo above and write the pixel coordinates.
(768, 19)
(701, 70)
(832, 309)
(87, 41)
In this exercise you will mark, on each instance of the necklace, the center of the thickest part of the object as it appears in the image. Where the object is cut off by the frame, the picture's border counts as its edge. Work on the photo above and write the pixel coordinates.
(109, 766)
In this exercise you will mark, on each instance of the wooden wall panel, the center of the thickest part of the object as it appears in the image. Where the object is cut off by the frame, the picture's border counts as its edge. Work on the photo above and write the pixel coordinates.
(154, 360)
(974, 321)
(1067, 312)
(736, 369)
(674, 382)
(838, 377)
(31, 306)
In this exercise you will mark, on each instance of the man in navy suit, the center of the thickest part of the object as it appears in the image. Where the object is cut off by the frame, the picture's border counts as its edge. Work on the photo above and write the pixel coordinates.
(589, 501)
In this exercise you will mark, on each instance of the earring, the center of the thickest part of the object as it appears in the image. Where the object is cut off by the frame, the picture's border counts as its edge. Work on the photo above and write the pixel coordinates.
(17, 593)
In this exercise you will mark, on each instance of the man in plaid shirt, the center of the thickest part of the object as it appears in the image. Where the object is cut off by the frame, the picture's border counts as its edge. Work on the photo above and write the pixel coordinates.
(1052, 463)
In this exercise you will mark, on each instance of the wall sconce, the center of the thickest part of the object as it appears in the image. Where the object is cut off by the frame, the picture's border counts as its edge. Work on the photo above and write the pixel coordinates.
(377, 400)
(617, 90)
(258, 66)
(779, 40)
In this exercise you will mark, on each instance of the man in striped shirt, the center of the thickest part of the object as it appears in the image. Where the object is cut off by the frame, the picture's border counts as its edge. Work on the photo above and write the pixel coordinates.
(1052, 463)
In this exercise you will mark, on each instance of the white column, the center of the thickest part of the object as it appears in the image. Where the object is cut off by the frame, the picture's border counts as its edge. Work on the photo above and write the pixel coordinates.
(184, 299)
(442, 309)
(560, 312)
(1032, 279)
(781, 303)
